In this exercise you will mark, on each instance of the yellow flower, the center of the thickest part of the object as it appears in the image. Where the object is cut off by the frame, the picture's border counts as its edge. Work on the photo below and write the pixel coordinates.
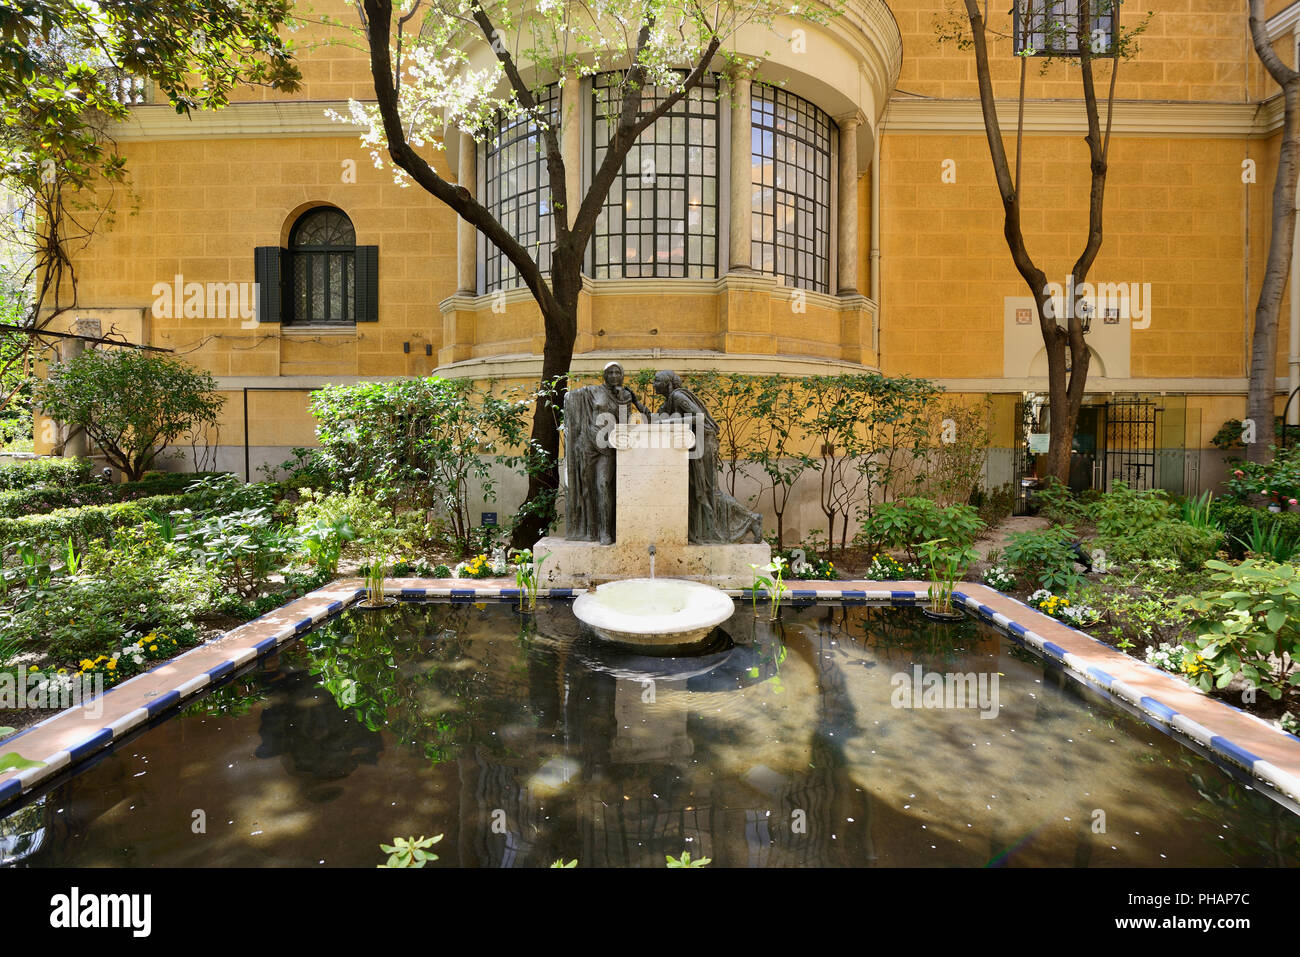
(33, 668)
(112, 664)
(153, 647)
(87, 663)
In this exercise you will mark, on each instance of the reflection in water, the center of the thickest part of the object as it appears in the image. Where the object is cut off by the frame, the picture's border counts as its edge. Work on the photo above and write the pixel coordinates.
(524, 741)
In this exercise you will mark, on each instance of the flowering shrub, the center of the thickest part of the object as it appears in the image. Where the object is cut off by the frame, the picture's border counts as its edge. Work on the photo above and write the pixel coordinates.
(480, 566)
(1178, 659)
(132, 658)
(810, 568)
(1000, 577)
(1278, 480)
(885, 568)
(1077, 615)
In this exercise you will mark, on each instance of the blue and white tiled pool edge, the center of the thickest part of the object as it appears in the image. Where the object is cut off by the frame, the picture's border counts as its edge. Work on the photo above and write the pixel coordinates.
(1170, 720)
(1155, 711)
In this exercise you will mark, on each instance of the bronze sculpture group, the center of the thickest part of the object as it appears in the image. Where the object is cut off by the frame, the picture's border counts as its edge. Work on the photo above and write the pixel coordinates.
(590, 415)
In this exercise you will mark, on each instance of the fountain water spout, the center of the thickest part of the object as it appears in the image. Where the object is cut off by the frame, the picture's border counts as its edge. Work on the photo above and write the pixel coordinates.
(652, 562)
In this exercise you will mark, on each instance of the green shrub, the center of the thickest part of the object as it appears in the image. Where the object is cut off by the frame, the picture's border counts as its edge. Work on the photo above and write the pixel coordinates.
(1044, 556)
(242, 548)
(83, 525)
(422, 442)
(44, 472)
(1056, 503)
(1248, 626)
(36, 501)
(74, 618)
(909, 523)
(1124, 511)
(995, 504)
(132, 403)
(1187, 544)
(1237, 522)
(1278, 479)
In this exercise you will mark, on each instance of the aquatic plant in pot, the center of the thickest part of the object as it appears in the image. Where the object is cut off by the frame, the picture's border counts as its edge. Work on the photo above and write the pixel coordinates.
(947, 565)
(527, 574)
(770, 579)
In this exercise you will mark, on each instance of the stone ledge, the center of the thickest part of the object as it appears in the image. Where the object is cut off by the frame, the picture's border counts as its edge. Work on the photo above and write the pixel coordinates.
(585, 564)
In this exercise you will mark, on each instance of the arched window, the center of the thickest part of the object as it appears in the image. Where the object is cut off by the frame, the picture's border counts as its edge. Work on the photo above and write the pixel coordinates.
(661, 215)
(322, 270)
(791, 148)
(517, 190)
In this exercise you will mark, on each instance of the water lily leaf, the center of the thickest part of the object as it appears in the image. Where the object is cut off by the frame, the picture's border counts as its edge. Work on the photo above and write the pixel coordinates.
(13, 761)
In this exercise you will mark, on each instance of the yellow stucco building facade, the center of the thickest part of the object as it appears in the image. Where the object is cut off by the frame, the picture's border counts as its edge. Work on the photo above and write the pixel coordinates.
(843, 218)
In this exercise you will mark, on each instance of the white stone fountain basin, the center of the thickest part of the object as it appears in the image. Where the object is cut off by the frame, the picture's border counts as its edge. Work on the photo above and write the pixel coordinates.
(654, 613)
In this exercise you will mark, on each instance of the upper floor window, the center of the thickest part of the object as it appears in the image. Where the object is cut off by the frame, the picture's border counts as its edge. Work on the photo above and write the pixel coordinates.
(790, 144)
(660, 218)
(322, 268)
(517, 190)
(1051, 27)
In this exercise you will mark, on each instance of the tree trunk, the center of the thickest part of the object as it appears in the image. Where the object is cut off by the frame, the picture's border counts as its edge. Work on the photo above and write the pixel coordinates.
(561, 324)
(1263, 357)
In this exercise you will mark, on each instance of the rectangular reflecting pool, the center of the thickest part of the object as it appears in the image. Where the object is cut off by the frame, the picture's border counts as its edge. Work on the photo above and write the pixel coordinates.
(840, 735)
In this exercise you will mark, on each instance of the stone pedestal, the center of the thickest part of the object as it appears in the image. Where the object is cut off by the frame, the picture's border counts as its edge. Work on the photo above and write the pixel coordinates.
(652, 488)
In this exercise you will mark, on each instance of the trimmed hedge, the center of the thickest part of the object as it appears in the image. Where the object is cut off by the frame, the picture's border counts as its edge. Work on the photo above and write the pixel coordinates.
(33, 473)
(1236, 520)
(35, 501)
(89, 522)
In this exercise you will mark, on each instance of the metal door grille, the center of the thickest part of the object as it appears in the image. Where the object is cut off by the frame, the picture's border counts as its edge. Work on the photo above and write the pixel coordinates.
(1132, 425)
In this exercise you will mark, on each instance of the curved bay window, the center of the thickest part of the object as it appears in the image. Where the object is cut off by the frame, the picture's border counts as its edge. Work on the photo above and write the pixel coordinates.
(322, 272)
(791, 149)
(661, 216)
(517, 190)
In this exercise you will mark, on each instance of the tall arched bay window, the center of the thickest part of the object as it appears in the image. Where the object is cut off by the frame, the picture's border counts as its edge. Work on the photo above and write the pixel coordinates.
(661, 216)
(792, 226)
(517, 191)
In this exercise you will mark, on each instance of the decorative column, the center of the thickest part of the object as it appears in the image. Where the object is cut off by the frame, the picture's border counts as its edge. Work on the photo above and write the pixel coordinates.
(742, 174)
(467, 235)
(571, 143)
(847, 214)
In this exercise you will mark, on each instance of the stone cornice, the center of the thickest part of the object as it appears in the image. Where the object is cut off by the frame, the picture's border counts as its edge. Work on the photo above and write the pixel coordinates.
(528, 366)
(730, 282)
(271, 118)
(1283, 21)
(904, 115)
(1132, 117)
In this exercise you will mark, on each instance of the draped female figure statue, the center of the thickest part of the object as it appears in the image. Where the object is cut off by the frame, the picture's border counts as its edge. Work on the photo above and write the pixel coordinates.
(714, 517)
(590, 414)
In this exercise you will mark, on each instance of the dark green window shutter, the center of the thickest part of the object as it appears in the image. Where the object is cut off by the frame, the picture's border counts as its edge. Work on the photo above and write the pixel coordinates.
(269, 275)
(367, 284)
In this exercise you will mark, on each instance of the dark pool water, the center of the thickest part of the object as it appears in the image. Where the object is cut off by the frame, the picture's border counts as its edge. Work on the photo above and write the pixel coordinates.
(522, 740)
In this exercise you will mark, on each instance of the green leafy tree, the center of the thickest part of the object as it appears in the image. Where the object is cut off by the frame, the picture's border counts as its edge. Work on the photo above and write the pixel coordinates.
(131, 403)
(780, 410)
(1068, 35)
(422, 442)
(69, 69)
(425, 89)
